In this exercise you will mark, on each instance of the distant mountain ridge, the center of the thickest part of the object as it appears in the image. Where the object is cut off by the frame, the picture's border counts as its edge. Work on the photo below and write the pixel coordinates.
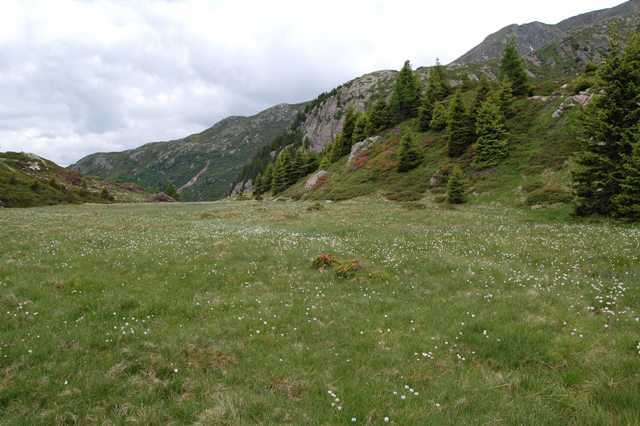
(531, 36)
(202, 165)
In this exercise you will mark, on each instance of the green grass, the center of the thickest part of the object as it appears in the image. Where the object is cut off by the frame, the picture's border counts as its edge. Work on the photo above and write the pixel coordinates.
(212, 314)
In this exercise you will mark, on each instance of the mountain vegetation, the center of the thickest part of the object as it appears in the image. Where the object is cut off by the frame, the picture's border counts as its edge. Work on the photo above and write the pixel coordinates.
(27, 180)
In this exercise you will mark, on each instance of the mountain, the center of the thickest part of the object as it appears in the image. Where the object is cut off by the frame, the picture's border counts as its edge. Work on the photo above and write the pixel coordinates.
(210, 164)
(27, 180)
(201, 166)
(531, 36)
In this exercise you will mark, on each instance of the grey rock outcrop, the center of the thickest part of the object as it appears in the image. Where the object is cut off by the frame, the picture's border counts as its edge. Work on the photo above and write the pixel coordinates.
(315, 180)
(358, 148)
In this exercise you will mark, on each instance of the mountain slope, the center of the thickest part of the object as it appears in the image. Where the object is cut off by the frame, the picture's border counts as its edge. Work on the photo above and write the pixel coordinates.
(531, 36)
(27, 180)
(202, 165)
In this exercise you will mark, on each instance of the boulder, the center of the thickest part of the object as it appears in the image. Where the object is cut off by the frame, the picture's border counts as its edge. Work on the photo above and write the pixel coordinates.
(315, 180)
(161, 198)
(359, 147)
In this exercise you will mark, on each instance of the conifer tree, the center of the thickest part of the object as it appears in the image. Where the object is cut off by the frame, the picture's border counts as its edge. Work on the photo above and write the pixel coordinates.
(311, 162)
(257, 185)
(456, 187)
(504, 99)
(170, 190)
(512, 69)
(360, 129)
(482, 94)
(437, 89)
(337, 148)
(460, 129)
(378, 117)
(349, 125)
(491, 146)
(297, 166)
(282, 172)
(609, 131)
(627, 202)
(405, 97)
(410, 156)
(325, 163)
(439, 116)
(267, 178)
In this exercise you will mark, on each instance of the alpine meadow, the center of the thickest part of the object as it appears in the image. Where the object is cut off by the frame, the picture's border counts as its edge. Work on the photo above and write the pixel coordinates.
(456, 244)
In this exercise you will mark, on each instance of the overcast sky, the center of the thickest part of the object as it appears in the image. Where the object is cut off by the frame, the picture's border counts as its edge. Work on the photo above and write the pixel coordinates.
(77, 77)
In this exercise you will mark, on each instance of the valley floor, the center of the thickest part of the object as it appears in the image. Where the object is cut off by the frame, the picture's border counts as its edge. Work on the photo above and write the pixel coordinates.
(211, 313)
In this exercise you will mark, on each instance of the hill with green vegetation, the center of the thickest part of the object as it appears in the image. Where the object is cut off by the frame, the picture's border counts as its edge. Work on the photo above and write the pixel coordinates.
(513, 132)
(27, 180)
(200, 166)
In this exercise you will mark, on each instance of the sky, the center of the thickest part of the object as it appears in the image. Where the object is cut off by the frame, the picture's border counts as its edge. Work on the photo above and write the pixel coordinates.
(78, 77)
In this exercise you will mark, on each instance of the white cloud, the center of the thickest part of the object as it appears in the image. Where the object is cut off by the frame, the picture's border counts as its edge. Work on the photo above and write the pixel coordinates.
(78, 77)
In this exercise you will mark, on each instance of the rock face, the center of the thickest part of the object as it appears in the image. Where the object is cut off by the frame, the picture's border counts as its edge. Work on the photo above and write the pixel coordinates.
(316, 180)
(582, 98)
(161, 198)
(324, 121)
(358, 148)
(243, 188)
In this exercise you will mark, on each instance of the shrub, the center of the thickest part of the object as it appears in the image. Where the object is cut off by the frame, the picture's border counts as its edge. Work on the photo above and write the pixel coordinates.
(348, 269)
(324, 261)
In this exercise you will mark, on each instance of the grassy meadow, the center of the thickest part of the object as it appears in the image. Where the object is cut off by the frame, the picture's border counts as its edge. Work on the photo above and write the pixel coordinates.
(212, 313)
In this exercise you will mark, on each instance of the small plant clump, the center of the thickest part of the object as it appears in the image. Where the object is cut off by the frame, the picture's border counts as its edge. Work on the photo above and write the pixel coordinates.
(343, 270)
(324, 261)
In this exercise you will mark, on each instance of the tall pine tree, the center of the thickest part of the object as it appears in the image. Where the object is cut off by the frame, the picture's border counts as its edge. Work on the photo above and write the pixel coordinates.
(360, 129)
(378, 115)
(405, 97)
(437, 89)
(439, 116)
(512, 69)
(457, 187)
(410, 156)
(603, 179)
(460, 128)
(482, 94)
(627, 202)
(491, 146)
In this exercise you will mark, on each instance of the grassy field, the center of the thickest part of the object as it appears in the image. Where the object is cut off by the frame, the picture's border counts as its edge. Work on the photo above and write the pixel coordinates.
(212, 314)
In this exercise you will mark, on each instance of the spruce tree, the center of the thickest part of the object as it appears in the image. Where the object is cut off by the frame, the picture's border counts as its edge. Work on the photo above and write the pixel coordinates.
(437, 89)
(405, 97)
(410, 156)
(378, 117)
(504, 99)
(349, 125)
(491, 146)
(325, 163)
(609, 132)
(439, 116)
(337, 148)
(311, 162)
(360, 129)
(267, 178)
(482, 94)
(512, 69)
(627, 202)
(456, 187)
(257, 185)
(460, 129)
(282, 172)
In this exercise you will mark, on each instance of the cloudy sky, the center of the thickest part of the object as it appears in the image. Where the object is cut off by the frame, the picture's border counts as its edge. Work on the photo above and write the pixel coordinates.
(77, 77)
